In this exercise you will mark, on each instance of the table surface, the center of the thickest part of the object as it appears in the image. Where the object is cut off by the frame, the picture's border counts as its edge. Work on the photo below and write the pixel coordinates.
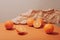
(32, 34)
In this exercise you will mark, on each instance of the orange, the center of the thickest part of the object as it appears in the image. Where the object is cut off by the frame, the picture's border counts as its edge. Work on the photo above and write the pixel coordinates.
(21, 30)
(8, 25)
(38, 23)
(49, 28)
(30, 21)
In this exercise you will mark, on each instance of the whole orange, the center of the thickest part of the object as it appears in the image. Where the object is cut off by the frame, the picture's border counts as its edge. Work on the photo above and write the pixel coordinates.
(30, 21)
(9, 25)
(38, 23)
(49, 28)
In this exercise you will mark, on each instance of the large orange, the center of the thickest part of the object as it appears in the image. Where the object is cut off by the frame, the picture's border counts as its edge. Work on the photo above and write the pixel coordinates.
(38, 23)
(8, 25)
(49, 28)
(30, 21)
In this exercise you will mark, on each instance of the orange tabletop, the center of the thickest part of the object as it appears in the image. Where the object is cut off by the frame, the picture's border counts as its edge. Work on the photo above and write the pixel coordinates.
(32, 34)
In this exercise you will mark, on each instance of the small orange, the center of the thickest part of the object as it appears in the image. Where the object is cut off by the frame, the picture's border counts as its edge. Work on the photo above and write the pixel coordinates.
(8, 25)
(30, 21)
(38, 23)
(49, 28)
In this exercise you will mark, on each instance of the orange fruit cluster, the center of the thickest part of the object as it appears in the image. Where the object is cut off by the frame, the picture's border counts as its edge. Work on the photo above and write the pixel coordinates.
(35, 23)
(9, 26)
(38, 23)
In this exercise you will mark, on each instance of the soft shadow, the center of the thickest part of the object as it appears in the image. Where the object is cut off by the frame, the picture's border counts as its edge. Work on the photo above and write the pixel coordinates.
(54, 33)
(22, 34)
(11, 29)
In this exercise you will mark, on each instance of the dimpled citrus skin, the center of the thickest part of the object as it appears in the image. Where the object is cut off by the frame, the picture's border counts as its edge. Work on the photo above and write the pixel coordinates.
(9, 24)
(49, 28)
(30, 21)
